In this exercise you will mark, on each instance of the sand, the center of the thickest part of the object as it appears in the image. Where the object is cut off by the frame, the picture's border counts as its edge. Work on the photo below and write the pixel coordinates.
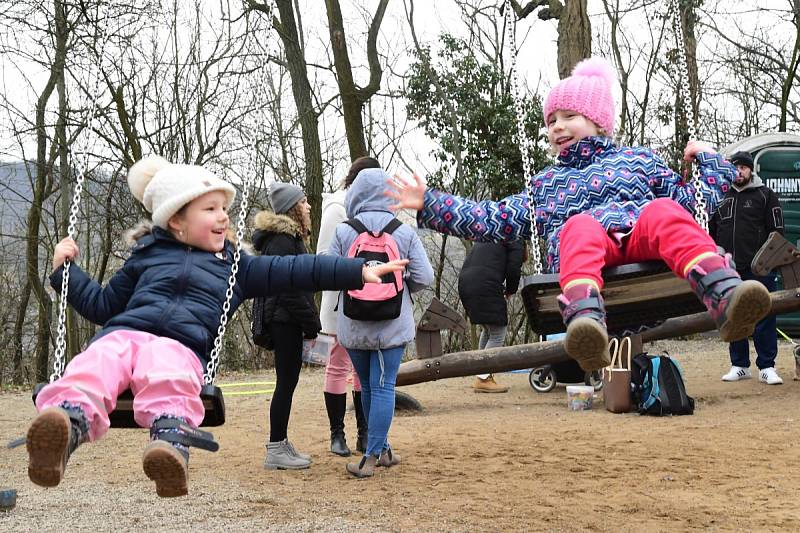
(518, 461)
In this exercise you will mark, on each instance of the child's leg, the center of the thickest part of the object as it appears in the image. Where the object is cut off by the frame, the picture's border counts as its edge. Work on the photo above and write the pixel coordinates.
(166, 382)
(337, 371)
(75, 408)
(361, 364)
(667, 231)
(585, 248)
(93, 380)
(382, 367)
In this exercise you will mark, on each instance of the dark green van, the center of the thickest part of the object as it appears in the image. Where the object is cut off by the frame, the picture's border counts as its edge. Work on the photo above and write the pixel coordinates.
(777, 163)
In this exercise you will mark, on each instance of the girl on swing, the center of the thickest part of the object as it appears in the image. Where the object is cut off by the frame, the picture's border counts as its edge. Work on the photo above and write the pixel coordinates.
(602, 205)
(160, 314)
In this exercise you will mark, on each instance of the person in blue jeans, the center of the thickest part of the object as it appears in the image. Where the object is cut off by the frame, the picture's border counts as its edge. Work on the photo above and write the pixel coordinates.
(376, 347)
(744, 219)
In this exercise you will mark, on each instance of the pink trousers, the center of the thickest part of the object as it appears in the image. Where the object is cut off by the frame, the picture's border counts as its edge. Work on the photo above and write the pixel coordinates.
(164, 375)
(338, 370)
(665, 231)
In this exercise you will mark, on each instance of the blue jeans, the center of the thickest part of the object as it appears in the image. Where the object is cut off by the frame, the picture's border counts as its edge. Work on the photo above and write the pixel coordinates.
(765, 336)
(377, 371)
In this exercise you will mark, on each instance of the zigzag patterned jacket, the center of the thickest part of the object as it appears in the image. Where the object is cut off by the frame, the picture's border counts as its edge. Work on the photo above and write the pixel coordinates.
(594, 176)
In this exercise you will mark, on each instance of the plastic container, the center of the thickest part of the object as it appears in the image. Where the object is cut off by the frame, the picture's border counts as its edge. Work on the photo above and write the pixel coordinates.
(318, 351)
(579, 397)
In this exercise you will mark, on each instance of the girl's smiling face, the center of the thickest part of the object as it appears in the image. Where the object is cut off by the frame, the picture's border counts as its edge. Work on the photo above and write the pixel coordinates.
(203, 222)
(565, 128)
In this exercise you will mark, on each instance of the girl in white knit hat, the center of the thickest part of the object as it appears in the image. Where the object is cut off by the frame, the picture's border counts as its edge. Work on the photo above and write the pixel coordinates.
(159, 315)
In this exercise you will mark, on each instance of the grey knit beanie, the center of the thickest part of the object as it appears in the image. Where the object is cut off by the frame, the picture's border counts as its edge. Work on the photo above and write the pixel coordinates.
(283, 196)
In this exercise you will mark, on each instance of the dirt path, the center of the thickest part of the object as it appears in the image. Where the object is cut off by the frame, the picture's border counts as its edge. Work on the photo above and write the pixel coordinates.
(510, 462)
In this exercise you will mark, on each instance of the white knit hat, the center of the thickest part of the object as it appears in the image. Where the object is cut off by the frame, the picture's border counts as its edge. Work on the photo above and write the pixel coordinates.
(164, 188)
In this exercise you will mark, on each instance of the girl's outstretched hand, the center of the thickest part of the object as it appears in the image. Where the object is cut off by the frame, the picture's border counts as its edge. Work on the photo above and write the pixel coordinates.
(373, 274)
(407, 195)
(695, 147)
(67, 249)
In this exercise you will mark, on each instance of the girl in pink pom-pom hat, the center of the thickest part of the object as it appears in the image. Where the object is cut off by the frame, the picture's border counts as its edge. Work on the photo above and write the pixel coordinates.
(602, 205)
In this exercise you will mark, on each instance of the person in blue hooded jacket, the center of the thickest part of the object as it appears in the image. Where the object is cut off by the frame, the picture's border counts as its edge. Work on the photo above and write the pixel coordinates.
(159, 315)
(376, 347)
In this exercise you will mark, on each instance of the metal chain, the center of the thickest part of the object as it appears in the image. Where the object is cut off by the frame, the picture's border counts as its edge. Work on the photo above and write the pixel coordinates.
(59, 361)
(700, 213)
(260, 100)
(522, 138)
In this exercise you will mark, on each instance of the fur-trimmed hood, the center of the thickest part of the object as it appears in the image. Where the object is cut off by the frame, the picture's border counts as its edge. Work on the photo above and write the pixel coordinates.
(145, 227)
(267, 222)
(142, 228)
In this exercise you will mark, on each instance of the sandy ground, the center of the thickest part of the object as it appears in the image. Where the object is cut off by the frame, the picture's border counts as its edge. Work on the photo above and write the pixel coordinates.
(471, 462)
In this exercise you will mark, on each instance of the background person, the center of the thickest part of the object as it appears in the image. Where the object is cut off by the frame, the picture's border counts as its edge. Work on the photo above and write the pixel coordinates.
(747, 214)
(490, 274)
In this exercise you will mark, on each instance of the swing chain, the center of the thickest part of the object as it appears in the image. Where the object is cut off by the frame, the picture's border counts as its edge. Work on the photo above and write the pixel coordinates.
(700, 212)
(214, 357)
(522, 139)
(59, 361)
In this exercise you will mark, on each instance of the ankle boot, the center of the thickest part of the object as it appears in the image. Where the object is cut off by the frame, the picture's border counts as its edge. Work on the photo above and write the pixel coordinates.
(166, 458)
(361, 423)
(388, 458)
(336, 405)
(364, 468)
(281, 457)
(584, 315)
(50, 441)
(735, 305)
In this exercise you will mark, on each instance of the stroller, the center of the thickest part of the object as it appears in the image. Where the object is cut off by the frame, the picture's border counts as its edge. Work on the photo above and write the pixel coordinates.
(545, 378)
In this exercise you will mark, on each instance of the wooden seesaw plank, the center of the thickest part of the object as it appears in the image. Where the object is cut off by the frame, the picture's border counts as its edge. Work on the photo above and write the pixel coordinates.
(458, 364)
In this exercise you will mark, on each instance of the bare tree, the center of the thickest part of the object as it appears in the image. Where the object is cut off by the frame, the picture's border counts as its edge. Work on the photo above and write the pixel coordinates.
(354, 97)
(574, 28)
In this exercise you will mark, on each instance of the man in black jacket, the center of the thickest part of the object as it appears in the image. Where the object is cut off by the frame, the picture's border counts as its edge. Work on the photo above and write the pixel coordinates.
(744, 219)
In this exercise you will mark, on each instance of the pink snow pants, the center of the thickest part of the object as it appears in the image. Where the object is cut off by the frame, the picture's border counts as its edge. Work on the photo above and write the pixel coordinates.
(338, 370)
(665, 231)
(164, 375)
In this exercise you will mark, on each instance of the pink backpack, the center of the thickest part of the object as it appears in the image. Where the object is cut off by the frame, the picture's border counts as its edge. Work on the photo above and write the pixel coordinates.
(376, 301)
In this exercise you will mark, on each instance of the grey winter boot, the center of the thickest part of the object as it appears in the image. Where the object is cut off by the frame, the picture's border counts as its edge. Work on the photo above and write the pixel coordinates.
(294, 451)
(280, 456)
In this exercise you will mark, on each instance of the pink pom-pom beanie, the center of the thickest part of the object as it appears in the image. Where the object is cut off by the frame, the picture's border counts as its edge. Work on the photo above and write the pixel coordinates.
(587, 91)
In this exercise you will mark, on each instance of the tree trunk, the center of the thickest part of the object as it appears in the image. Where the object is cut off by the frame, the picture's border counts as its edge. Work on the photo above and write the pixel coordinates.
(354, 98)
(19, 326)
(788, 82)
(307, 115)
(65, 190)
(34, 218)
(574, 36)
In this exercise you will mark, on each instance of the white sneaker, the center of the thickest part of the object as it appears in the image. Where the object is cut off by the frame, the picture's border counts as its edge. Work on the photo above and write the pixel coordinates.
(769, 376)
(736, 373)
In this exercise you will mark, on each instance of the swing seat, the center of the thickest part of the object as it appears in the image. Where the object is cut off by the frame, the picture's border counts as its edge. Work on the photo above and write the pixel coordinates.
(637, 296)
(122, 416)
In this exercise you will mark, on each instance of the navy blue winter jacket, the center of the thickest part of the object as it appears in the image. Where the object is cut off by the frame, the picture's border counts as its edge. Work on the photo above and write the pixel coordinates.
(172, 290)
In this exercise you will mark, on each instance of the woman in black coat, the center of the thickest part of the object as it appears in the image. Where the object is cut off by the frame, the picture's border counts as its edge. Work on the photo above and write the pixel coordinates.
(490, 274)
(285, 319)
